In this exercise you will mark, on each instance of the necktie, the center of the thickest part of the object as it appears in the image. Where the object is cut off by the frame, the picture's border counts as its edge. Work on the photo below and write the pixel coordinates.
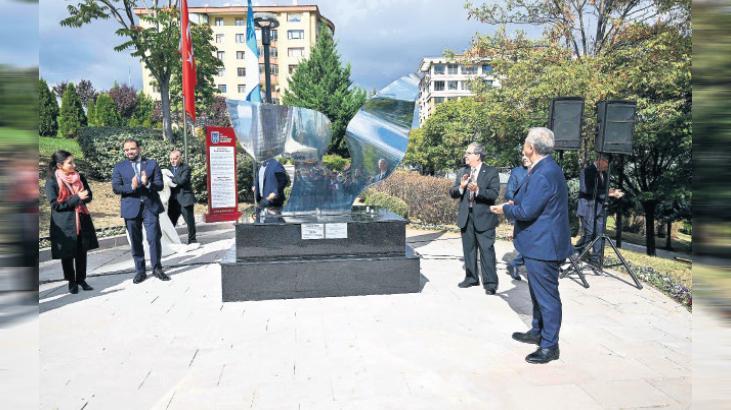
(472, 193)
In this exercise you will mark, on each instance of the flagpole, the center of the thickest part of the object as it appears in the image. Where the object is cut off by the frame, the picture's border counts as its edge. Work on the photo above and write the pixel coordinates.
(182, 54)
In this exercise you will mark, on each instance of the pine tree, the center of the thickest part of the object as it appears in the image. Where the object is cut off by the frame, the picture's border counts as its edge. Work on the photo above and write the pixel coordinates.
(47, 110)
(321, 83)
(105, 112)
(71, 117)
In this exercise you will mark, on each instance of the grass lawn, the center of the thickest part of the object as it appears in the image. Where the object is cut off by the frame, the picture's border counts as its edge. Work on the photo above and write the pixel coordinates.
(10, 136)
(48, 145)
(680, 241)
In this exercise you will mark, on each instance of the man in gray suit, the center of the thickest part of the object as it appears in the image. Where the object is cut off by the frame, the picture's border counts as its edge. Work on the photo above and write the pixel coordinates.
(593, 179)
(182, 198)
(477, 187)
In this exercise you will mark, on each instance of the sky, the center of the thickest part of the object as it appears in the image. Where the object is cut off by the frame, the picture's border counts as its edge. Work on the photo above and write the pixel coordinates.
(19, 34)
(381, 39)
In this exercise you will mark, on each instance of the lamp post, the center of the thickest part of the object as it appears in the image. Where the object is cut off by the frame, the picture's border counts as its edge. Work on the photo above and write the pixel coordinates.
(266, 22)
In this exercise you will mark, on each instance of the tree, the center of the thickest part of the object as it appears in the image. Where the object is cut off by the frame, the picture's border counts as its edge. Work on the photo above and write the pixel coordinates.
(321, 83)
(125, 100)
(71, 116)
(47, 110)
(86, 92)
(216, 114)
(59, 88)
(105, 112)
(142, 116)
(588, 28)
(156, 44)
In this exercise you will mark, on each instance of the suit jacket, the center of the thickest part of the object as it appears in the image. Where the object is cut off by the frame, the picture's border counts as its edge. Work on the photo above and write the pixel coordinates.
(132, 199)
(275, 180)
(183, 191)
(64, 240)
(541, 214)
(587, 182)
(516, 178)
(488, 182)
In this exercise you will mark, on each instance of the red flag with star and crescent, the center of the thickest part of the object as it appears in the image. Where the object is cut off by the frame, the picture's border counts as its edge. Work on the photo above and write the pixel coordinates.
(186, 49)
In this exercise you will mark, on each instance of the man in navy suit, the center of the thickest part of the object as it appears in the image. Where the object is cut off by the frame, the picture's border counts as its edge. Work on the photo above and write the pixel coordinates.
(269, 183)
(517, 175)
(138, 180)
(477, 187)
(541, 215)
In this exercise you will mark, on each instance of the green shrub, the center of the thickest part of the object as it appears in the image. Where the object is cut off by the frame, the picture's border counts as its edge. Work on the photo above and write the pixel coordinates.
(384, 200)
(427, 197)
(71, 117)
(47, 111)
(335, 162)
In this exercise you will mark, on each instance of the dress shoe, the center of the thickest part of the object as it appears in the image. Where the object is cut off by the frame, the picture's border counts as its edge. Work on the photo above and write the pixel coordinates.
(158, 273)
(513, 271)
(490, 291)
(139, 277)
(73, 288)
(542, 355)
(527, 337)
(85, 285)
(190, 241)
(467, 283)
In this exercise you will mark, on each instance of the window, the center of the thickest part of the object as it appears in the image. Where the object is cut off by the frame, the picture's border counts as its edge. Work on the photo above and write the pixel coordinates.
(219, 21)
(221, 72)
(241, 71)
(273, 53)
(240, 38)
(452, 85)
(220, 54)
(486, 69)
(239, 22)
(219, 38)
(296, 52)
(466, 85)
(452, 68)
(261, 69)
(488, 83)
(274, 68)
(240, 55)
(221, 88)
(275, 35)
(438, 100)
(438, 85)
(295, 34)
(438, 68)
(241, 88)
(292, 67)
(294, 17)
(469, 69)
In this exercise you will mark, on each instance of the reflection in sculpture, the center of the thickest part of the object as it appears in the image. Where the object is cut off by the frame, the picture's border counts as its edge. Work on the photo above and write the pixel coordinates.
(377, 138)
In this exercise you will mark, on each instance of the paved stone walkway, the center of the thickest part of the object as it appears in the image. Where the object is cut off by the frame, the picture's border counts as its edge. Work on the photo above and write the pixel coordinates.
(175, 345)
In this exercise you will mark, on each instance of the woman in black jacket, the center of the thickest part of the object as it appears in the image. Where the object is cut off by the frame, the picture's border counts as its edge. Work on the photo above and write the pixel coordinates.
(72, 232)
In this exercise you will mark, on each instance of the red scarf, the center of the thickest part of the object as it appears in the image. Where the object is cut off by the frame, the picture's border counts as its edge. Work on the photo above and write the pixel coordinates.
(68, 186)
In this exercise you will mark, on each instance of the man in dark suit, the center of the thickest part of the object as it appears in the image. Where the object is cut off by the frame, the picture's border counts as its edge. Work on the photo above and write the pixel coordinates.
(517, 175)
(593, 180)
(382, 170)
(477, 187)
(138, 180)
(182, 198)
(269, 183)
(541, 215)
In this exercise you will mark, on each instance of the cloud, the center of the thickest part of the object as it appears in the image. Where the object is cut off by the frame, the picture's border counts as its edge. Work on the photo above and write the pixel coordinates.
(19, 31)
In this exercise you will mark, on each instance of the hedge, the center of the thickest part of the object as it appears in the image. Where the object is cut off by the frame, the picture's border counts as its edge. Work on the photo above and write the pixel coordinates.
(427, 197)
(102, 148)
(384, 200)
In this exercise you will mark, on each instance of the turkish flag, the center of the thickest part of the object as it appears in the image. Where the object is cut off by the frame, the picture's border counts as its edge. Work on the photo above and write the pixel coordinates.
(186, 49)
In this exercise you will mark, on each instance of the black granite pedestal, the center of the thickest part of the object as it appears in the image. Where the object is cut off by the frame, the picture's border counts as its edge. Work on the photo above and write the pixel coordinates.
(364, 253)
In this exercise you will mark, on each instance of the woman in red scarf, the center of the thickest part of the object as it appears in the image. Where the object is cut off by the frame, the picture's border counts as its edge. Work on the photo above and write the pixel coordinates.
(72, 232)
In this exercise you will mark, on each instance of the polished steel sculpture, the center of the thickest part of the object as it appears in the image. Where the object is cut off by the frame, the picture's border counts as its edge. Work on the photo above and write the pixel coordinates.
(377, 138)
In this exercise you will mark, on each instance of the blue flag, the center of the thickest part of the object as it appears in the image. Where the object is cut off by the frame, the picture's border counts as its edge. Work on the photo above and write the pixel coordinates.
(253, 89)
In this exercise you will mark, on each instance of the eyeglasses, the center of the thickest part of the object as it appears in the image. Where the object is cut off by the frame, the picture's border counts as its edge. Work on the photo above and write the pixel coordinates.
(470, 153)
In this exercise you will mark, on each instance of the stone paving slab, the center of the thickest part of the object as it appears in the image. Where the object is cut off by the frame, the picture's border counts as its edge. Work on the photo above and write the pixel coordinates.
(175, 345)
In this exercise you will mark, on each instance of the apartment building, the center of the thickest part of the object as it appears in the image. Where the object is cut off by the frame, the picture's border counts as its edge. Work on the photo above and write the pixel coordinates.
(449, 79)
(292, 41)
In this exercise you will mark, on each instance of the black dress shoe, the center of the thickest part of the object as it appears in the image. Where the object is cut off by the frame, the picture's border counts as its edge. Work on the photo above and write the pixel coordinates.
(490, 291)
(467, 283)
(190, 241)
(139, 277)
(158, 273)
(73, 288)
(542, 355)
(85, 285)
(513, 271)
(527, 337)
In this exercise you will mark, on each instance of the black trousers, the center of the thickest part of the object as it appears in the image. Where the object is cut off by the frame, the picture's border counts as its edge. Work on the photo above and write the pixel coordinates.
(472, 240)
(174, 212)
(78, 274)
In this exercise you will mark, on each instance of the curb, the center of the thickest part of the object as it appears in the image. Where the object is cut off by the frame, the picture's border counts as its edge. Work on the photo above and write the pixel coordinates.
(44, 255)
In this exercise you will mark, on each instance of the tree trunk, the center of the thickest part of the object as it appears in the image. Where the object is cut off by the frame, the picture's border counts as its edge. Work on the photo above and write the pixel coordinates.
(668, 239)
(649, 207)
(618, 228)
(167, 125)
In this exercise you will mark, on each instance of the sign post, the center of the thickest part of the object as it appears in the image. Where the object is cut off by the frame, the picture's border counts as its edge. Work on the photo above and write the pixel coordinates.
(223, 199)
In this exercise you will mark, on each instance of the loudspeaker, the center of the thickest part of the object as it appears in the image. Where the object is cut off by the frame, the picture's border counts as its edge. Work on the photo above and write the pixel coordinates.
(615, 126)
(565, 121)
